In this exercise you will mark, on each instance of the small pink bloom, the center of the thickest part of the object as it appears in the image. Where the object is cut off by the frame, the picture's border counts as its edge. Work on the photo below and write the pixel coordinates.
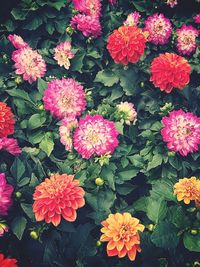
(126, 112)
(5, 195)
(10, 145)
(63, 53)
(17, 41)
(172, 3)
(196, 18)
(88, 7)
(181, 132)
(132, 19)
(112, 2)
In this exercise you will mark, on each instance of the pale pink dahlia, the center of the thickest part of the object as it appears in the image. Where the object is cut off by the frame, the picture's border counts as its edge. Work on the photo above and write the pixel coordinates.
(88, 7)
(172, 3)
(64, 98)
(95, 135)
(126, 112)
(186, 39)
(63, 53)
(196, 18)
(132, 19)
(17, 41)
(159, 29)
(10, 145)
(89, 26)
(181, 132)
(68, 124)
(29, 63)
(5, 195)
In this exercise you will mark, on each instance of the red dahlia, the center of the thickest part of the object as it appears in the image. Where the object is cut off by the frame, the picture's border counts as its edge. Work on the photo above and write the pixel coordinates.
(6, 262)
(126, 44)
(6, 120)
(170, 71)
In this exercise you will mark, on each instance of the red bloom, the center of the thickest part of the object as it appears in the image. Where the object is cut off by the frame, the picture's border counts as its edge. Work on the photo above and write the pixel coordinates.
(126, 44)
(170, 71)
(6, 120)
(6, 262)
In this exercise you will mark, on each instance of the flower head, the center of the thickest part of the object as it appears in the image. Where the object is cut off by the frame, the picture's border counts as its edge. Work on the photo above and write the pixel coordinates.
(181, 132)
(7, 262)
(58, 196)
(17, 41)
(10, 145)
(89, 26)
(187, 189)
(112, 2)
(170, 71)
(121, 233)
(3, 229)
(172, 3)
(127, 112)
(29, 63)
(196, 18)
(95, 134)
(5, 195)
(64, 97)
(159, 29)
(7, 121)
(88, 7)
(132, 19)
(63, 54)
(186, 39)
(126, 44)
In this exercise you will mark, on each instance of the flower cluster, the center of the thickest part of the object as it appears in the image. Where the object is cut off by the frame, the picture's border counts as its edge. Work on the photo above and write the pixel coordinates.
(58, 197)
(126, 44)
(63, 53)
(181, 132)
(7, 262)
(186, 39)
(132, 19)
(170, 71)
(172, 3)
(5, 195)
(187, 189)
(126, 112)
(121, 233)
(159, 29)
(196, 18)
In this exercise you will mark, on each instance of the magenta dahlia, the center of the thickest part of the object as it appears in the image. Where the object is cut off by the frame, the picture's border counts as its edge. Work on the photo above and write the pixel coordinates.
(17, 41)
(10, 145)
(196, 18)
(5, 195)
(88, 7)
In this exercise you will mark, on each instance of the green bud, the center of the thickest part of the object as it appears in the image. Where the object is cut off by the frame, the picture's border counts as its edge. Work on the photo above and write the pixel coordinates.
(196, 264)
(71, 156)
(194, 232)
(18, 80)
(99, 181)
(41, 107)
(98, 243)
(171, 153)
(18, 194)
(69, 30)
(142, 84)
(34, 235)
(151, 227)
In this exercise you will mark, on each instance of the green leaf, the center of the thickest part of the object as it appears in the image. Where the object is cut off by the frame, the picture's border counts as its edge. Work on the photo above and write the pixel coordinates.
(58, 4)
(120, 127)
(18, 226)
(191, 242)
(107, 78)
(128, 174)
(41, 85)
(47, 144)
(28, 209)
(102, 201)
(128, 81)
(163, 189)
(17, 169)
(156, 209)
(67, 227)
(19, 14)
(33, 24)
(36, 121)
(156, 161)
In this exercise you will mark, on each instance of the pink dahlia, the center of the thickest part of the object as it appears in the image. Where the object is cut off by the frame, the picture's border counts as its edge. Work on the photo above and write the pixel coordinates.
(181, 132)
(63, 54)
(126, 112)
(112, 2)
(29, 63)
(159, 29)
(95, 135)
(64, 98)
(88, 7)
(68, 124)
(186, 39)
(89, 26)
(196, 18)
(17, 41)
(5, 195)
(10, 145)
(172, 3)
(132, 19)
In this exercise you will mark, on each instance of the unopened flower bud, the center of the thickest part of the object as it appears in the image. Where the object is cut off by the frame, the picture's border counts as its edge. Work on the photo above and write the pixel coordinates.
(99, 181)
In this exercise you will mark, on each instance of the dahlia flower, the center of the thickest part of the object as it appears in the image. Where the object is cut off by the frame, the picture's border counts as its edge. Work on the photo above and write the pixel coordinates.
(186, 39)
(95, 134)
(63, 54)
(3, 229)
(132, 19)
(58, 196)
(29, 63)
(187, 189)
(88, 7)
(121, 233)
(7, 262)
(159, 29)
(126, 44)
(172, 3)
(5, 195)
(89, 26)
(68, 124)
(181, 132)
(17, 41)
(64, 97)
(10, 145)
(196, 18)
(6, 120)
(127, 112)
(170, 71)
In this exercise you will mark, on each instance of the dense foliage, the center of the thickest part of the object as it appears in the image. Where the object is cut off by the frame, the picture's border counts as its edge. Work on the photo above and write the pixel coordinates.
(140, 175)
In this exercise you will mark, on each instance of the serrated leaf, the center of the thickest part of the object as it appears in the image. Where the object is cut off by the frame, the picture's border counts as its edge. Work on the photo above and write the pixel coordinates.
(156, 209)
(191, 242)
(17, 169)
(36, 121)
(18, 226)
(107, 78)
(155, 162)
(47, 144)
(28, 209)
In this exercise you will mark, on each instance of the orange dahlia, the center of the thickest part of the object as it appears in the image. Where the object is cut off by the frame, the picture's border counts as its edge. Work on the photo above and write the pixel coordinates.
(121, 233)
(6, 120)
(170, 71)
(56, 197)
(126, 44)
(188, 189)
